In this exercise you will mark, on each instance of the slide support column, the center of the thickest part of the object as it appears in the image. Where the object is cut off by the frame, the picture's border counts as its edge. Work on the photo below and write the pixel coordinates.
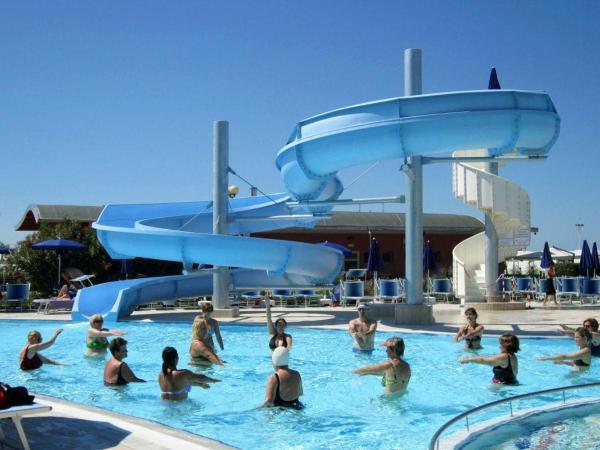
(491, 249)
(220, 297)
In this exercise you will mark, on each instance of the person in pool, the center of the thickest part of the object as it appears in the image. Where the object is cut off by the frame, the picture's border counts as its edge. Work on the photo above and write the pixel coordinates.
(284, 387)
(116, 371)
(362, 330)
(505, 364)
(175, 384)
(592, 325)
(582, 358)
(30, 357)
(277, 335)
(395, 371)
(95, 338)
(201, 351)
(471, 332)
(213, 325)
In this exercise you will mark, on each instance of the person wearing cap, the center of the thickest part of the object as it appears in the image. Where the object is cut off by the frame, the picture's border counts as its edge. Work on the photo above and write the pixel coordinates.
(395, 371)
(362, 330)
(284, 387)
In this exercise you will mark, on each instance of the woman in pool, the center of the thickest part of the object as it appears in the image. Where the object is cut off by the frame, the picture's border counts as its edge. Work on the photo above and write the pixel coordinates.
(505, 364)
(202, 352)
(580, 359)
(95, 338)
(284, 387)
(395, 371)
(213, 325)
(30, 357)
(277, 335)
(174, 383)
(471, 332)
(117, 372)
(592, 325)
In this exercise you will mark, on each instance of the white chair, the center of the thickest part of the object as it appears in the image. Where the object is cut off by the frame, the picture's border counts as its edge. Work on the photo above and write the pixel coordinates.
(16, 413)
(389, 291)
(442, 287)
(310, 297)
(285, 297)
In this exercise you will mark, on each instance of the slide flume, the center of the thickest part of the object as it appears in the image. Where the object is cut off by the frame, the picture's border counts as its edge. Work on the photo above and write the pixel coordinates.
(501, 121)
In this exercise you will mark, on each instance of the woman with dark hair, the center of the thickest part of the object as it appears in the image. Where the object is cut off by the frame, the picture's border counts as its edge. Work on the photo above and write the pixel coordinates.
(592, 326)
(116, 371)
(202, 352)
(471, 332)
(395, 371)
(175, 383)
(277, 335)
(213, 325)
(582, 358)
(505, 364)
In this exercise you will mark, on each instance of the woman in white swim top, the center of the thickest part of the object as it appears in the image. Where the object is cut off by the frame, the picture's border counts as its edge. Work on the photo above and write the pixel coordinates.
(174, 383)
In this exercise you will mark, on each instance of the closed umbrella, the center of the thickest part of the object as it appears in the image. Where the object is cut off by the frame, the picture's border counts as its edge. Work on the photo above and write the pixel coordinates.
(59, 245)
(595, 258)
(375, 263)
(546, 257)
(585, 261)
(428, 260)
(6, 251)
(494, 83)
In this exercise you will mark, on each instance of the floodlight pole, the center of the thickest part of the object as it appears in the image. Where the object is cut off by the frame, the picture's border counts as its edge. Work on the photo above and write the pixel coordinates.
(414, 188)
(220, 207)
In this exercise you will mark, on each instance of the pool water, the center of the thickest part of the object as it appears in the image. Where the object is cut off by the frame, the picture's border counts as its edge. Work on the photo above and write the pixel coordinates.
(342, 409)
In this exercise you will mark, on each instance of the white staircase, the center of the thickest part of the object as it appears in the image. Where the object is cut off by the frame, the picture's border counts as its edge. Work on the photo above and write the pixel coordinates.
(509, 207)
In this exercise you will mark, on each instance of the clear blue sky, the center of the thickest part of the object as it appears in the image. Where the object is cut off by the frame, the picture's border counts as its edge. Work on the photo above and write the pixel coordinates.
(113, 102)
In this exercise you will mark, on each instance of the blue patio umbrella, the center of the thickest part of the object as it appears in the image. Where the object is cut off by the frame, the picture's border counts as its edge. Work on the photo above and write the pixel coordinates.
(494, 83)
(375, 263)
(340, 247)
(4, 250)
(595, 258)
(428, 259)
(59, 245)
(585, 260)
(546, 257)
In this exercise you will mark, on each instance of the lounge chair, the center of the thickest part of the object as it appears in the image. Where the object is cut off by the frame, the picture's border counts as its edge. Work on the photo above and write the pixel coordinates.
(442, 287)
(390, 291)
(285, 297)
(16, 295)
(309, 296)
(16, 413)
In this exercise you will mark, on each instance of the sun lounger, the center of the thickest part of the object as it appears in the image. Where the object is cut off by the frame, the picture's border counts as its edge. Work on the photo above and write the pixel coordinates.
(47, 305)
(16, 413)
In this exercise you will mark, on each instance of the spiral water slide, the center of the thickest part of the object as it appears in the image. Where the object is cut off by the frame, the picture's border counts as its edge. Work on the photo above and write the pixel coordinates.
(502, 121)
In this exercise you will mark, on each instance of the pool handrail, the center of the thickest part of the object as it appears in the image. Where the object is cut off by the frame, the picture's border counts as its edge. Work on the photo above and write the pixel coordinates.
(434, 441)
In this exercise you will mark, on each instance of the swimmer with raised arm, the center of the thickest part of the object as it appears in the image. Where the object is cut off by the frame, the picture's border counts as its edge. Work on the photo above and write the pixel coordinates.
(505, 364)
(471, 332)
(579, 360)
(30, 357)
(362, 330)
(175, 384)
(95, 339)
(592, 325)
(202, 352)
(395, 371)
(277, 335)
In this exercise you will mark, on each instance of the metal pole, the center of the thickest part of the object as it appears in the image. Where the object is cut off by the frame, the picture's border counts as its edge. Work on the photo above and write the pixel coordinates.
(491, 248)
(220, 206)
(414, 189)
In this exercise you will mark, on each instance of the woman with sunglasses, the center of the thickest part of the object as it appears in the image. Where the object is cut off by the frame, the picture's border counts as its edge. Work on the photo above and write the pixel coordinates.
(213, 326)
(30, 357)
(581, 359)
(592, 325)
(95, 338)
(277, 335)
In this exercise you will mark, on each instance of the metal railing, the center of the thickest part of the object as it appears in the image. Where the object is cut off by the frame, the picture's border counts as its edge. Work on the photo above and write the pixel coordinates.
(434, 443)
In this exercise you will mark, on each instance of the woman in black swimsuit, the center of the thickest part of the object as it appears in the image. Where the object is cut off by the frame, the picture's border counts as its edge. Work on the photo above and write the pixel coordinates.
(505, 364)
(592, 325)
(471, 332)
(284, 387)
(117, 372)
(277, 335)
(580, 359)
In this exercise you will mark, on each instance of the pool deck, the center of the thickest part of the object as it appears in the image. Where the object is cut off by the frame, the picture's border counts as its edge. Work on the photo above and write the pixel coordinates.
(70, 425)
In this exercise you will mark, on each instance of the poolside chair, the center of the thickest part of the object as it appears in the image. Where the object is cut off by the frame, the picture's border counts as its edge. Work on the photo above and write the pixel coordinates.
(310, 297)
(16, 413)
(505, 287)
(389, 291)
(525, 288)
(568, 288)
(442, 287)
(16, 295)
(250, 299)
(352, 292)
(284, 297)
(589, 289)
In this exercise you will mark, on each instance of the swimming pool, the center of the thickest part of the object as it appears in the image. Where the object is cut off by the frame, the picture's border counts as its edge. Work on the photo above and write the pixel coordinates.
(342, 410)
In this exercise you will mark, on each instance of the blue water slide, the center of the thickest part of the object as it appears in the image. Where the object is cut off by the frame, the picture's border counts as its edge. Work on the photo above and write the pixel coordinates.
(503, 121)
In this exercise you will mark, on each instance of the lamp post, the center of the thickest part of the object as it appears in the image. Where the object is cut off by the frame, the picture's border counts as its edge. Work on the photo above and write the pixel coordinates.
(579, 228)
